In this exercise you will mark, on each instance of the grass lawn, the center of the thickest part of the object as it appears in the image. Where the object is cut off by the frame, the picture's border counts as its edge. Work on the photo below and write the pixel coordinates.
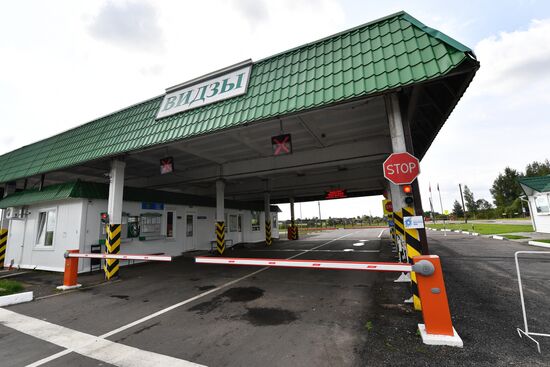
(9, 287)
(486, 228)
(545, 241)
(514, 237)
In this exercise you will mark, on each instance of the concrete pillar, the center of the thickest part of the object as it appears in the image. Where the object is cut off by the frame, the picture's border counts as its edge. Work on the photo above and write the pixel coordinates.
(116, 190)
(114, 210)
(292, 229)
(292, 211)
(413, 241)
(220, 200)
(398, 144)
(220, 216)
(267, 212)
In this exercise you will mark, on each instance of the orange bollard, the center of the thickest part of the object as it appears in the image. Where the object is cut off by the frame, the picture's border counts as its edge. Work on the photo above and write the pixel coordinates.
(70, 275)
(438, 327)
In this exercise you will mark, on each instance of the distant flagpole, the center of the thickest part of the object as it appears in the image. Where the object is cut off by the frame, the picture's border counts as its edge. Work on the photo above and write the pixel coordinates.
(442, 213)
(431, 202)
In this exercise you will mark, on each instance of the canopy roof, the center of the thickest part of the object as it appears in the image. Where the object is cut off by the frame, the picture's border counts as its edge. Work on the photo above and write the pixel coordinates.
(378, 57)
(539, 184)
(93, 190)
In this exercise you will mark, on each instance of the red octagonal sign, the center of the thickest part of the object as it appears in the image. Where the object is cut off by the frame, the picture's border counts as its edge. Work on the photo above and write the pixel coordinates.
(401, 168)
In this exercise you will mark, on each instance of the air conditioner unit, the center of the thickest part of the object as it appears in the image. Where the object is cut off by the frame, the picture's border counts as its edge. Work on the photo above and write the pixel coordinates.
(14, 213)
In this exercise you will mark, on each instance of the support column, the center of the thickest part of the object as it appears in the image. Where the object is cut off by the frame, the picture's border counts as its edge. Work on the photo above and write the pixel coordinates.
(409, 238)
(114, 211)
(220, 216)
(292, 229)
(267, 212)
(8, 189)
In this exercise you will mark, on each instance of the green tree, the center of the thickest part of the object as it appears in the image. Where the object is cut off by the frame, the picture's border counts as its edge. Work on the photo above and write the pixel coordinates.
(506, 188)
(457, 209)
(471, 203)
(537, 169)
(483, 204)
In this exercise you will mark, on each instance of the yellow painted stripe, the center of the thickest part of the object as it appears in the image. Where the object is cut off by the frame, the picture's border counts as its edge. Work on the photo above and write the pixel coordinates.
(112, 273)
(115, 230)
(412, 252)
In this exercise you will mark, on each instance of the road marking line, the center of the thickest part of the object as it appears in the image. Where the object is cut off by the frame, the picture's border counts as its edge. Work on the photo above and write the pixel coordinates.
(77, 289)
(380, 234)
(50, 358)
(201, 295)
(170, 308)
(296, 250)
(86, 344)
(12, 275)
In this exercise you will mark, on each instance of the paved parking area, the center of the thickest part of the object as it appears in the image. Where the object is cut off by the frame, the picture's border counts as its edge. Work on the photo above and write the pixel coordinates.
(185, 314)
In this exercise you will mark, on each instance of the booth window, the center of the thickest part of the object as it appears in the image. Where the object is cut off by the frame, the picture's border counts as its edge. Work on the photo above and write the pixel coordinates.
(255, 221)
(239, 223)
(233, 223)
(46, 227)
(150, 224)
(541, 203)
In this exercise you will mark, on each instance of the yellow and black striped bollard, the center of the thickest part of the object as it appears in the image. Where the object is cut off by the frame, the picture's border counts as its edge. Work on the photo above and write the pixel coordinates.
(220, 237)
(268, 239)
(400, 235)
(414, 248)
(113, 247)
(3, 243)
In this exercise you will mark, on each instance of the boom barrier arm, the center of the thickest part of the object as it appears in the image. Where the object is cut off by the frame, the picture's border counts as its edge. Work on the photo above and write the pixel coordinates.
(437, 328)
(70, 275)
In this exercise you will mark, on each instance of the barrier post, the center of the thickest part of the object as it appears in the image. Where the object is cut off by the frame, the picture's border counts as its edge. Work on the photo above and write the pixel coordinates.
(438, 327)
(70, 275)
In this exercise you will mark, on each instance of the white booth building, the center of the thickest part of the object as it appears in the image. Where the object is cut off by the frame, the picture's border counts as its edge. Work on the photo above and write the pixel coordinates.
(537, 190)
(44, 224)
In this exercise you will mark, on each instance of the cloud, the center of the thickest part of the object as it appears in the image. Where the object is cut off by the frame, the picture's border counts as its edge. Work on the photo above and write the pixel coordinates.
(513, 61)
(132, 25)
(254, 11)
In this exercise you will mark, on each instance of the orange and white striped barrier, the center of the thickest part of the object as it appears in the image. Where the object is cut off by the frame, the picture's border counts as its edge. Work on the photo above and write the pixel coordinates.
(437, 328)
(119, 256)
(317, 264)
(70, 276)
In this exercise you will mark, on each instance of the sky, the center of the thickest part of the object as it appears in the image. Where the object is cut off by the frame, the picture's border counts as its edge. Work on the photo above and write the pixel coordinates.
(65, 63)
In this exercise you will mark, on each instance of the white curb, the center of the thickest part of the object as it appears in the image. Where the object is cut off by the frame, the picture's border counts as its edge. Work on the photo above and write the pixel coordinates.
(13, 299)
(497, 237)
(540, 244)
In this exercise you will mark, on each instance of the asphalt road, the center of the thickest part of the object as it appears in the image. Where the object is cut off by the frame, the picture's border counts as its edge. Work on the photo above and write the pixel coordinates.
(218, 315)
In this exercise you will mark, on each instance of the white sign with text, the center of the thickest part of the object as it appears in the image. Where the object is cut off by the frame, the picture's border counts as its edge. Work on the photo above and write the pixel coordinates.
(415, 222)
(223, 87)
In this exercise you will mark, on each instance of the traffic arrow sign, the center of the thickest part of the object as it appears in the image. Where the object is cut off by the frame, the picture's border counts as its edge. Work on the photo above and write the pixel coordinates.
(401, 168)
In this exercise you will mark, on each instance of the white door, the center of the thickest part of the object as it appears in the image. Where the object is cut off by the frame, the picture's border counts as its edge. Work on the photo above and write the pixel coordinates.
(239, 234)
(16, 237)
(190, 225)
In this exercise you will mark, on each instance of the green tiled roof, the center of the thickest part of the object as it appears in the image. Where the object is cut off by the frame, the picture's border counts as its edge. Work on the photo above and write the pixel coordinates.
(92, 190)
(376, 57)
(540, 183)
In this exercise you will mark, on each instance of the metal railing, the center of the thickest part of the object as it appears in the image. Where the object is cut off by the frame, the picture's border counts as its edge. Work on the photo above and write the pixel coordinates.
(526, 332)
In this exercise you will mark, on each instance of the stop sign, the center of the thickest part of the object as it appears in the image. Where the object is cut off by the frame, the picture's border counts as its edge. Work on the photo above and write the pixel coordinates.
(401, 168)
